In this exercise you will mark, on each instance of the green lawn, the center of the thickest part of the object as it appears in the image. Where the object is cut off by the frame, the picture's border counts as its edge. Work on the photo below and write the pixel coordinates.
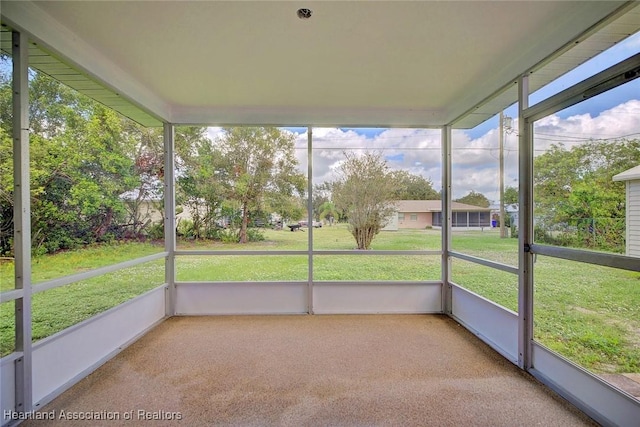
(588, 313)
(330, 238)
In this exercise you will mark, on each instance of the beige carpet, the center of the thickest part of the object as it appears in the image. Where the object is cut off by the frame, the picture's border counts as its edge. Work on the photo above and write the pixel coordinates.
(348, 370)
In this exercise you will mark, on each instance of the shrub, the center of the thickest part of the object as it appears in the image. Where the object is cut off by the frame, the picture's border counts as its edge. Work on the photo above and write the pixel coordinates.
(255, 235)
(230, 235)
(156, 231)
(185, 229)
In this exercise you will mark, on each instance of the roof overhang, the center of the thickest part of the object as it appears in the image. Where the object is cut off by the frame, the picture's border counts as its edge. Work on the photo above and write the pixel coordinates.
(356, 63)
(628, 175)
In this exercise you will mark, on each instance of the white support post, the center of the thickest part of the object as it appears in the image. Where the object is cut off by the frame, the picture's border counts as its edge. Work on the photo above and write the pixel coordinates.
(525, 229)
(310, 217)
(445, 216)
(169, 218)
(503, 232)
(22, 221)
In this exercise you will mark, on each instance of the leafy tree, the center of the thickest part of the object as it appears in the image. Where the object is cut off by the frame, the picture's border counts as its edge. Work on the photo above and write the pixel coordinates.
(6, 193)
(475, 199)
(288, 206)
(365, 190)
(82, 160)
(511, 196)
(321, 195)
(574, 187)
(106, 171)
(6, 159)
(328, 211)
(414, 187)
(199, 185)
(80, 165)
(147, 151)
(258, 168)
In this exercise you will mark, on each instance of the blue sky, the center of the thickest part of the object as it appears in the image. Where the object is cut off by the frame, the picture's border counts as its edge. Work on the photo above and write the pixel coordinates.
(475, 159)
(615, 54)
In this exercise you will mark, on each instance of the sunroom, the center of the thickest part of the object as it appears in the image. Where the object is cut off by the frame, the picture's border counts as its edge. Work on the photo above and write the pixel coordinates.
(429, 86)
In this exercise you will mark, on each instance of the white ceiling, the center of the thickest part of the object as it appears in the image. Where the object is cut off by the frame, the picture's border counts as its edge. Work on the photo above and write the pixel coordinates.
(359, 63)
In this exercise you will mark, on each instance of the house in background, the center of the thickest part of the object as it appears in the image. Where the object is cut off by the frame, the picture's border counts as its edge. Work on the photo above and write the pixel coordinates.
(632, 218)
(428, 213)
(511, 214)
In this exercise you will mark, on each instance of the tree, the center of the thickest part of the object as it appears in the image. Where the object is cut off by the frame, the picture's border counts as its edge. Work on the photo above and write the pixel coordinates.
(287, 206)
(475, 199)
(199, 185)
(321, 195)
(574, 187)
(80, 165)
(414, 187)
(258, 167)
(511, 196)
(328, 211)
(6, 160)
(6, 193)
(105, 171)
(147, 151)
(82, 159)
(365, 190)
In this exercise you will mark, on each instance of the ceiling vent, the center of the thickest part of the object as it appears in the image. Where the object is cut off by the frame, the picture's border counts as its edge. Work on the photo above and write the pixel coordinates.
(304, 13)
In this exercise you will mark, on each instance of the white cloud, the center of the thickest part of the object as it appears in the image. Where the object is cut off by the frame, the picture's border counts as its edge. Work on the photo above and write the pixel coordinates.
(619, 121)
(475, 161)
(415, 150)
(476, 164)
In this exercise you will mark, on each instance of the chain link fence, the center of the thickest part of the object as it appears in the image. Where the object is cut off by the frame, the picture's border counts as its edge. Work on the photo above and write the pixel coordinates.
(604, 234)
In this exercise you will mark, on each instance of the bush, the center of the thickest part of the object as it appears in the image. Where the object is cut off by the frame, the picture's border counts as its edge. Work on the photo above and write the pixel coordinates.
(56, 239)
(606, 234)
(255, 235)
(230, 235)
(185, 229)
(156, 231)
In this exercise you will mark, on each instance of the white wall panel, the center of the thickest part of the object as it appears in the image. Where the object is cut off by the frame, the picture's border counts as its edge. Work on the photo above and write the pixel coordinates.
(362, 298)
(63, 359)
(7, 386)
(241, 298)
(633, 218)
(598, 399)
(495, 325)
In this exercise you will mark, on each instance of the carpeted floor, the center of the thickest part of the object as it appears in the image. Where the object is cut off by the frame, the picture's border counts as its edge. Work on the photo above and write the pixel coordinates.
(351, 370)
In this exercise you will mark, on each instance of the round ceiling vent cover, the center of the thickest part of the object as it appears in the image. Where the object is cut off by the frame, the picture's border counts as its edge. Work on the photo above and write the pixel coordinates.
(304, 13)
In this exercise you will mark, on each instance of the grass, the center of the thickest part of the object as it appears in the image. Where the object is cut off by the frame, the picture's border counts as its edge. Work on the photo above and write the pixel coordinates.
(590, 314)
(65, 263)
(328, 238)
(498, 286)
(56, 309)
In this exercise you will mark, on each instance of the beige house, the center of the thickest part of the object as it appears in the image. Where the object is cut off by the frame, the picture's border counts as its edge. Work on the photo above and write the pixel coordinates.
(631, 178)
(428, 213)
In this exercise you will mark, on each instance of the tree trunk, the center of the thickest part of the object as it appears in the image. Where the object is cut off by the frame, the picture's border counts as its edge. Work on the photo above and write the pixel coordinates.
(244, 224)
(364, 237)
(104, 226)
